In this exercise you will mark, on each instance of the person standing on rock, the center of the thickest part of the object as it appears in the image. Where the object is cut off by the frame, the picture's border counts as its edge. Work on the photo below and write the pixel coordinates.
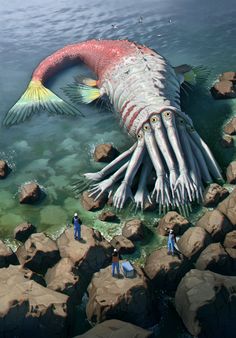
(77, 226)
(115, 263)
(171, 243)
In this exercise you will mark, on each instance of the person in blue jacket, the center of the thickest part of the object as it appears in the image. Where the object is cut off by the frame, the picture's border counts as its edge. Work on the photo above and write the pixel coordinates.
(77, 226)
(171, 242)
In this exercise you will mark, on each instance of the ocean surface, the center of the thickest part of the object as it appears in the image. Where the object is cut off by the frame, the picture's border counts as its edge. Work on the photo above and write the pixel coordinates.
(54, 151)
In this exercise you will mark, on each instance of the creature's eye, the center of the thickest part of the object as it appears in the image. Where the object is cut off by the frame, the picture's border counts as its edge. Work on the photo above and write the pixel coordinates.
(181, 121)
(191, 128)
(154, 119)
(146, 127)
(139, 136)
(167, 113)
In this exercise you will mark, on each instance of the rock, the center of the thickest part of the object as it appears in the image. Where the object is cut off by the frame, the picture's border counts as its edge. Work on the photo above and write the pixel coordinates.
(122, 244)
(7, 256)
(172, 220)
(227, 141)
(108, 216)
(90, 254)
(229, 76)
(231, 173)
(128, 299)
(30, 193)
(215, 259)
(228, 207)
(89, 203)
(28, 309)
(64, 277)
(166, 271)
(4, 169)
(133, 230)
(230, 127)
(193, 242)
(23, 231)
(105, 153)
(206, 303)
(214, 194)
(38, 253)
(216, 224)
(230, 240)
(116, 329)
(223, 90)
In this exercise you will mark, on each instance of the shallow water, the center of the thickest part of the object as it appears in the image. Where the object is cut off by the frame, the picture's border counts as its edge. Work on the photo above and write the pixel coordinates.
(53, 150)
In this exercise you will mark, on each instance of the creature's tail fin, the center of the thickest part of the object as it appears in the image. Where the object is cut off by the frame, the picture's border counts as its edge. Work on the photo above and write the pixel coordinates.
(192, 75)
(37, 98)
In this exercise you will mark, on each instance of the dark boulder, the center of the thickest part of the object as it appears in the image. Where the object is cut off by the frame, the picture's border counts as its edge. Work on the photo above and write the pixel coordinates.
(108, 216)
(166, 271)
(7, 256)
(214, 194)
(206, 302)
(30, 193)
(230, 127)
(89, 203)
(105, 153)
(231, 173)
(216, 224)
(223, 89)
(122, 244)
(230, 240)
(133, 230)
(23, 231)
(227, 141)
(38, 253)
(228, 207)
(172, 220)
(193, 242)
(229, 76)
(4, 169)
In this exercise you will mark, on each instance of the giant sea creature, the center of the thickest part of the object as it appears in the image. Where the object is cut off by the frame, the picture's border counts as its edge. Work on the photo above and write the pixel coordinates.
(145, 90)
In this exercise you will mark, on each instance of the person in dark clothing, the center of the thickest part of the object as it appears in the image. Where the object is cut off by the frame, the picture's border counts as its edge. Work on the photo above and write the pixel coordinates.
(115, 263)
(171, 241)
(76, 221)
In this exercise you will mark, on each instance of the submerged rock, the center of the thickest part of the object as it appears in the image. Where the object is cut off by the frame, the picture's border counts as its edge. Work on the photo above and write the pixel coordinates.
(116, 329)
(230, 127)
(23, 231)
(206, 302)
(227, 141)
(166, 271)
(38, 253)
(214, 194)
(7, 256)
(223, 89)
(229, 76)
(105, 153)
(4, 169)
(172, 220)
(89, 203)
(30, 193)
(231, 173)
(28, 309)
(133, 230)
(216, 224)
(121, 298)
(122, 244)
(228, 207)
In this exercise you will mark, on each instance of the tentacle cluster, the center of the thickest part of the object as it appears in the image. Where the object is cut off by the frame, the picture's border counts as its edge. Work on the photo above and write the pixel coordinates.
(168, 144)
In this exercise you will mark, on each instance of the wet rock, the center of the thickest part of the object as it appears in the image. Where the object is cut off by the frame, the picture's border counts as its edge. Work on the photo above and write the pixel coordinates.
(133, 230)
(228, 76)
(172, 220)
(7, 256)
(231, 173)
(121, 298)
(215, 259)
(108, 216)
(224, 89)
(230, 240)
(23, 231)
(216, 224)
(227, 141)
(228, 207)
(166, 271)
(230, 127)
(193, 242)
(38, 253)
(214, 194)
(30, 193)
(29, 309)
(122, 244)
(105, 153)
(4, 169)
(116, 329)
(90, 254)
(206, 303)
(89, 203)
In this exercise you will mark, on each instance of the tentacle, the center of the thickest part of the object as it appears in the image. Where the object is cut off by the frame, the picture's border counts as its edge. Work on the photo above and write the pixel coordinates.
(112, 166)
(161, 188)
(142, 195)
(124, 191)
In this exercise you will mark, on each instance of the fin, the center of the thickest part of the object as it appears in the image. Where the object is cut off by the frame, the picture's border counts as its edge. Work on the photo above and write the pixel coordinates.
(35, 98)
(86, 81)
(81, 93)
(191, 75)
